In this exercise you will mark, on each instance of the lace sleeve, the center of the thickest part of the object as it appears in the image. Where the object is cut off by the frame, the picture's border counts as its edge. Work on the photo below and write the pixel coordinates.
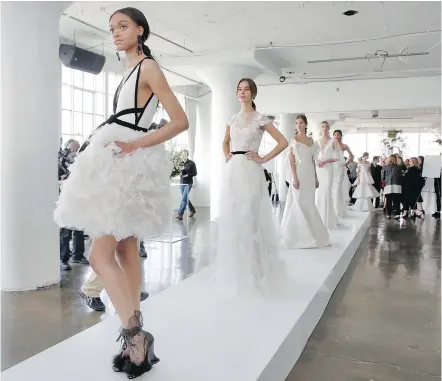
(263, 120)
(231, 120)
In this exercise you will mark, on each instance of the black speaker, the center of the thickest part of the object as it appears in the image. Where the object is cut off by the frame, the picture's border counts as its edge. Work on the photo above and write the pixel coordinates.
(81, 59)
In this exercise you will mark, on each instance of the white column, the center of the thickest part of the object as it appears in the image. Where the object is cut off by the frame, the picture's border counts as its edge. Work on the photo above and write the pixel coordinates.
(287, 128)
(201, 193)
(30, 138)
(223, 82)
(314, 126)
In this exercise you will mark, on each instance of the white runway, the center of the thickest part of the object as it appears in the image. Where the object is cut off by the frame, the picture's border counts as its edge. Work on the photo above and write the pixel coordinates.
(201, 338)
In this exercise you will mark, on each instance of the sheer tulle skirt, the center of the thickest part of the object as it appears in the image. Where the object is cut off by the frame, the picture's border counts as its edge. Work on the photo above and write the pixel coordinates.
(247, 253)
(119, 196)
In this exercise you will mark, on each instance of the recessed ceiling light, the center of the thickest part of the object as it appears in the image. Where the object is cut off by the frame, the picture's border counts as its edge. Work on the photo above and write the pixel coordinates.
(350, 12)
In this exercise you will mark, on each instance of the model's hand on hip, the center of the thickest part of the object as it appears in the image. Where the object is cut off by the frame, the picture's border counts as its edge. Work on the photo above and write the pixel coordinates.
(252, 155)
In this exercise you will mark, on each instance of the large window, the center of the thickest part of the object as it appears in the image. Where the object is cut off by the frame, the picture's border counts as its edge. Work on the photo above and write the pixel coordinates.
(82, 103)
(87, 101)
(417, 143)
(412, 144)
(427, 144)
(181, 141)
(113, 81)
(374, 144)
(357, 143)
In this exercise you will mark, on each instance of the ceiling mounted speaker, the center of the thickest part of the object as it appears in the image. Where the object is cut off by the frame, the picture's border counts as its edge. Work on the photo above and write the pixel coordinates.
(81, 59)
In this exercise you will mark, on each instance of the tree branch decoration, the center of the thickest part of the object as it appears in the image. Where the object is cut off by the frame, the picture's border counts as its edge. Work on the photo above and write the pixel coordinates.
(393, 143)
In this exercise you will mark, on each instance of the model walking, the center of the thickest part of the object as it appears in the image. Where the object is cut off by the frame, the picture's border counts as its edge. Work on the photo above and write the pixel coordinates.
(118, 190)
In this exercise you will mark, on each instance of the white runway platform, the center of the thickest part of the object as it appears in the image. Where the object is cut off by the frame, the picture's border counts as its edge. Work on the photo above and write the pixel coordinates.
(202, 338)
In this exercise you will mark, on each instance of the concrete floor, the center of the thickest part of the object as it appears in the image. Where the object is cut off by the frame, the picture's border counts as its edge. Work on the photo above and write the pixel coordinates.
(382, 323)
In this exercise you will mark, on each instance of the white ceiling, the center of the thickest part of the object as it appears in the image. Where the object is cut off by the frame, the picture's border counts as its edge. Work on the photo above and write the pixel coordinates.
(241, 33)
(229, 32)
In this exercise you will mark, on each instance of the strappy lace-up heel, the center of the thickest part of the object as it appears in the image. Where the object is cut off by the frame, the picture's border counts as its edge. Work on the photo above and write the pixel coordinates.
(128, 360)
(141, 355)
(120, 359)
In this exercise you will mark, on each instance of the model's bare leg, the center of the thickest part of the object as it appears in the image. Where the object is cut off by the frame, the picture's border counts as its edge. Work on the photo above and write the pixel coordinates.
(102, 260)
(127, 252)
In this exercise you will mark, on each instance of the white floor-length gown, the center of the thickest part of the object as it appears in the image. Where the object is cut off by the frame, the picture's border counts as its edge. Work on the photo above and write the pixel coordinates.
(340, 185)
(324, 196)
(302, 226)
(247, 247)
(365, 191)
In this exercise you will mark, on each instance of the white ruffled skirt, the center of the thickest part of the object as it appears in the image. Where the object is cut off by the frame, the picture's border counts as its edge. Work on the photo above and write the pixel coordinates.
(365, 190)
(121, 196)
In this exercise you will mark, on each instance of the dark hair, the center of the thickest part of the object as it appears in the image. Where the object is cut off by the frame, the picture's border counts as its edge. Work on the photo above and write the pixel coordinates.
(422, 160)
(375, 158)
(253, 89)
(138, 18)
(339, 131)
(303, 118)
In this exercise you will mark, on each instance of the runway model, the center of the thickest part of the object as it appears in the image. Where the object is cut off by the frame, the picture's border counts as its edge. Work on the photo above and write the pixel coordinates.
(247, 245)
(302, 226)
(341, 184)
(118, 188)
(327, 155)
(365, 191)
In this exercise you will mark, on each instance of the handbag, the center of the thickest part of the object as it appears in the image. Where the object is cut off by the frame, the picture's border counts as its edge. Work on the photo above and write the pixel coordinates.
(275, 196)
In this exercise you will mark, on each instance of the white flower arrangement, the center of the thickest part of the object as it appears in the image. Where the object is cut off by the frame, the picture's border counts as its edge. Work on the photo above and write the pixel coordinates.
(176, 157)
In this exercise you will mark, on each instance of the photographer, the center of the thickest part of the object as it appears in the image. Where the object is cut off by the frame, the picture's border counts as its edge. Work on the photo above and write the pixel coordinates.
(65, 158)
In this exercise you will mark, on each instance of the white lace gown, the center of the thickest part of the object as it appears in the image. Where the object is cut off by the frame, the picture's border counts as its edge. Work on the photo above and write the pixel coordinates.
(340, 185)
(365, 190)
(247, 252)
(302, 226)
(324, 196)
(122, 196)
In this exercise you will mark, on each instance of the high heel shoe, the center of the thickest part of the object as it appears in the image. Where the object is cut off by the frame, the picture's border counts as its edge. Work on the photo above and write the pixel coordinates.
(120, 359)
(140, 363)
(421, 216)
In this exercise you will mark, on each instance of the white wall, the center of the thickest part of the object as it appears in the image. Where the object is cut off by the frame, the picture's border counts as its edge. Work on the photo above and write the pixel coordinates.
(201, 193)
(393, 93)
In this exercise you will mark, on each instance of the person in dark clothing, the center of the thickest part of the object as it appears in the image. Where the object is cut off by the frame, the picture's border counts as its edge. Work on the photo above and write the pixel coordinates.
(66, 157)
(413, 184)
(392, 175)
(376, 173)
(186, 180)
(268, 177)
(437, 184)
